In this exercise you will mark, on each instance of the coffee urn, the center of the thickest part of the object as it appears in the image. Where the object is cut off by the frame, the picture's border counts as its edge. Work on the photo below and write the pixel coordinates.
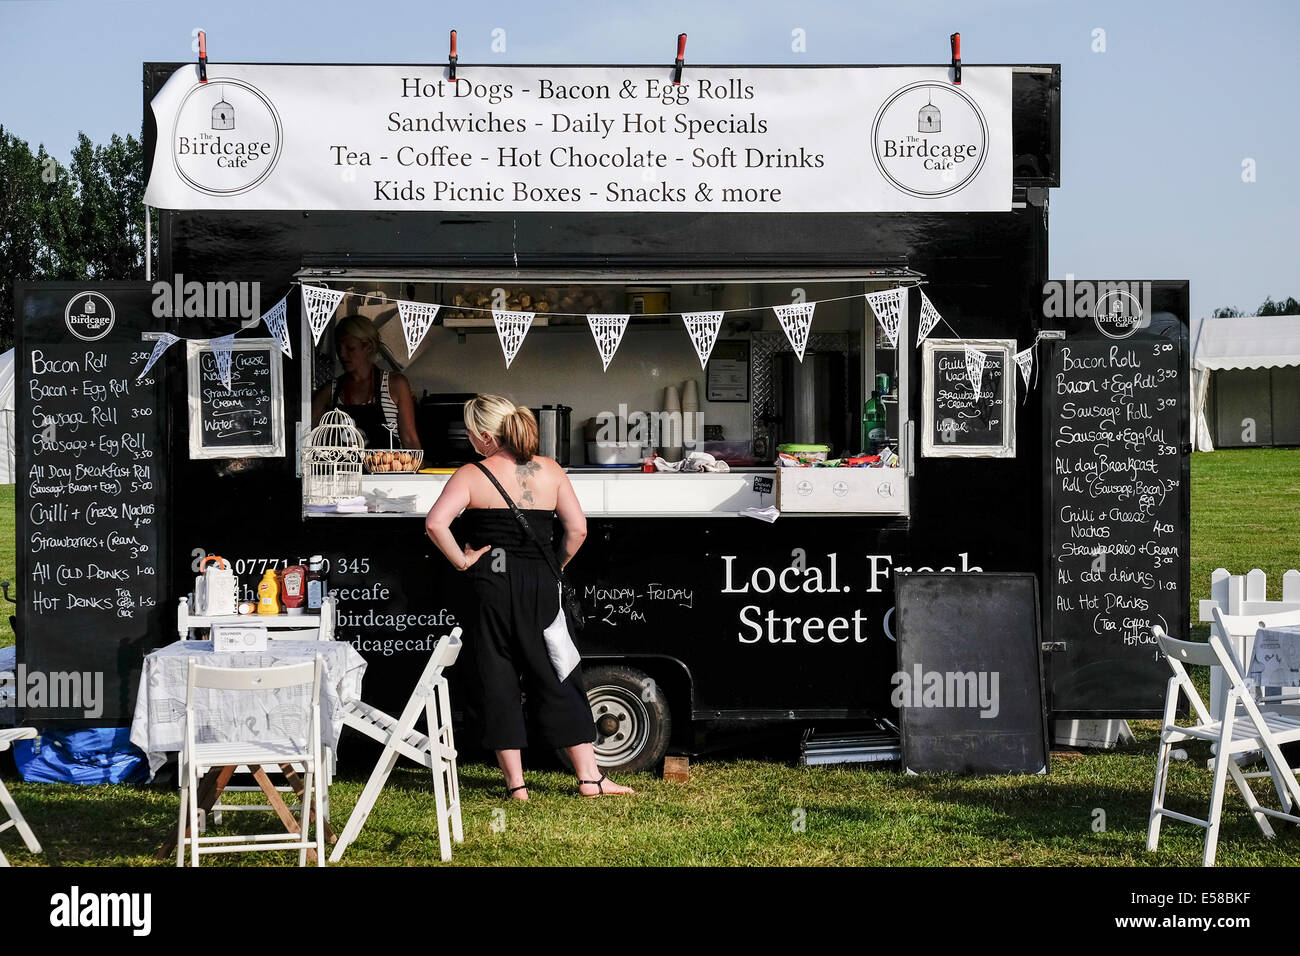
(809, 402)
(553, 432)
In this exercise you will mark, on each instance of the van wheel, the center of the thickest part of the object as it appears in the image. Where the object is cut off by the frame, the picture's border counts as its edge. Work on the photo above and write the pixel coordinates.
(633, 722)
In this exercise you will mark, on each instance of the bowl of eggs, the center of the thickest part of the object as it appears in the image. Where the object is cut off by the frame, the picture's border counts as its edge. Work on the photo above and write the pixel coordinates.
(397, 460)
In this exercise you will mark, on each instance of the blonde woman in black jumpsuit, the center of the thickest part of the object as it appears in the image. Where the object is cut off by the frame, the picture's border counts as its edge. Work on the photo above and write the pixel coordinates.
(512, 593)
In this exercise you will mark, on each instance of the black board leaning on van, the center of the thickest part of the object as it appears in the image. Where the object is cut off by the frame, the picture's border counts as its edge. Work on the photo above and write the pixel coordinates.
(89, 498)
(969, 684)
(1116, 498)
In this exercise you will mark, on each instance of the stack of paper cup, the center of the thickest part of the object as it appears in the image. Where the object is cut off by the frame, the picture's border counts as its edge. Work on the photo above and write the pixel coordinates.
(670, 426)
(692, 429)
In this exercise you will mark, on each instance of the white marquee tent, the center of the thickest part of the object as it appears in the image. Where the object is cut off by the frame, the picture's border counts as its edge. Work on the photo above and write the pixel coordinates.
(7, 442)
(1238, 352)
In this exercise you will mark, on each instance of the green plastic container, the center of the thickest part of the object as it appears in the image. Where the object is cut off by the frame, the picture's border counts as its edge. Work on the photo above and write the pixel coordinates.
(815, 452)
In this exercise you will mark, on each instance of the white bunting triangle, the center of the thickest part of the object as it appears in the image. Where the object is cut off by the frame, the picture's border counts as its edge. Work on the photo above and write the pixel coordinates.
(417, 318)
(929, 318)
(703, 330)
(796, 321)
(511, 329)
(319, 304)
(608, 331)
(1025, 361)
(221, 348)
(276, 319)
(888, 307)
(974, 367)
(161, 344)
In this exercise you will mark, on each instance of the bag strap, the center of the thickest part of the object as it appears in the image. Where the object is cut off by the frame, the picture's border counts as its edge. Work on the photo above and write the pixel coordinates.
(523, 522)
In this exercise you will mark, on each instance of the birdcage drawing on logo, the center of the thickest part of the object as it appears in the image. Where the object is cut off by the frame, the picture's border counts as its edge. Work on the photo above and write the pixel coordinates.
(223, 114)
(928, 119)
(90, 307)
(331, 459)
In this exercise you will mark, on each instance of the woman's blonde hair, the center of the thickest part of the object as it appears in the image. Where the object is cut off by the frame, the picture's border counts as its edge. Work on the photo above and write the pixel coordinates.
(514, 426)
(360, 328)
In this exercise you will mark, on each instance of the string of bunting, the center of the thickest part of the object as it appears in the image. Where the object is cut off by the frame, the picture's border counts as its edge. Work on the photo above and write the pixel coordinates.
(795, 319)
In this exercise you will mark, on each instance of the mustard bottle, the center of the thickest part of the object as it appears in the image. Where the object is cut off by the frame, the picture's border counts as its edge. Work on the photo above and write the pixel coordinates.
(268, 593)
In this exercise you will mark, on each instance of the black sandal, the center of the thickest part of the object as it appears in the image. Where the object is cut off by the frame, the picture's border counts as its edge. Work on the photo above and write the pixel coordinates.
(596, 783)
(510, 791)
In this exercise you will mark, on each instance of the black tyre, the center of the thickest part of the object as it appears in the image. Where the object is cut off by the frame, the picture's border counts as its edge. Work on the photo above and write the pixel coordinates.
(633, 721)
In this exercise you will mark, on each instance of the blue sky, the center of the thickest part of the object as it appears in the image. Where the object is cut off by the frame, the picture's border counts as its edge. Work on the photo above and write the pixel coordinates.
(1154, 129)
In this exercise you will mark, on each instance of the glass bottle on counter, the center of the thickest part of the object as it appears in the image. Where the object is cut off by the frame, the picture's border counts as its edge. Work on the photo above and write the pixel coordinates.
(874, 434)
(316, 585)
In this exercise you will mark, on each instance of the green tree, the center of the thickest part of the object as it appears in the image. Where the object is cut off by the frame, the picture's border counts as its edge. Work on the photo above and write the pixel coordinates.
(82, 221)
(38, 222)
(110, 219)
(1227, 312)
(1289, 306)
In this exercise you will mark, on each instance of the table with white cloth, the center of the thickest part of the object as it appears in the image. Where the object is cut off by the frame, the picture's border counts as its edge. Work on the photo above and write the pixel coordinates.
(1274, 666)
(158, 726)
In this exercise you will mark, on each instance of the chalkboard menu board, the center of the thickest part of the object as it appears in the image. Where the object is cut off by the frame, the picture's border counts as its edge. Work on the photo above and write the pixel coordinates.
(1118, 511)
(960, 420)
(969, 685)
(246, 419)
(90, 476)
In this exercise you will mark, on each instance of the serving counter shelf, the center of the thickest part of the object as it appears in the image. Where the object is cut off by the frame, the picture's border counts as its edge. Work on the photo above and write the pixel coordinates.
(613, 492)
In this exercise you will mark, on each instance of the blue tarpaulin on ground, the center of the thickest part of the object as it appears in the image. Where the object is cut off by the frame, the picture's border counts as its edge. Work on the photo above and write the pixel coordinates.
(101, 755)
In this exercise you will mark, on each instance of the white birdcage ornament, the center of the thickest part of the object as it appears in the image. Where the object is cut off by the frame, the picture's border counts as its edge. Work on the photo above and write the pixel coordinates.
(331, 460)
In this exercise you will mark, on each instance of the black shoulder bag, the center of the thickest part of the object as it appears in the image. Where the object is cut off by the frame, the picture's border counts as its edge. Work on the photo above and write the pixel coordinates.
(568, 596)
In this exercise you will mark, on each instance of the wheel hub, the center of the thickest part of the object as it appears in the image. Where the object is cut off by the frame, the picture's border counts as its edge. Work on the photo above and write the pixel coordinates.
(622, 724)
(607, 725)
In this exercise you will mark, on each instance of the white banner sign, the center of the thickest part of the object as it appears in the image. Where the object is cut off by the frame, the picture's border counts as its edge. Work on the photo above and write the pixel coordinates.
(583, 139)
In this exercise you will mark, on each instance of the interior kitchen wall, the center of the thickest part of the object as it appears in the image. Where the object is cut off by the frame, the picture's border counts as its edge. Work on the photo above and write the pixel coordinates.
(560, 364)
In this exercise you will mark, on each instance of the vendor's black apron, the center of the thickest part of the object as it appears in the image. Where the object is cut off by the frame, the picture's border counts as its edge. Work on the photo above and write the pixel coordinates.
(513, 596)
(370, 417)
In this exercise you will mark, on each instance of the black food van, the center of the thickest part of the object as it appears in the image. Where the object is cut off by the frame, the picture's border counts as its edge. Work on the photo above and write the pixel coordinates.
(536, 190)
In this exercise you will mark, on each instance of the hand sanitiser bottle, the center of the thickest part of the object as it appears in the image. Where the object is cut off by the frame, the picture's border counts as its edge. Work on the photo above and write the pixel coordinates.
(315, 582)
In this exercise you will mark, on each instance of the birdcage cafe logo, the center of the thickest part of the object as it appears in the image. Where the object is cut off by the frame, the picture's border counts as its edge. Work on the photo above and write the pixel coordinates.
(1118, 314)
(89, 316)
(1118, 309)
(227, 137)
(929, 139)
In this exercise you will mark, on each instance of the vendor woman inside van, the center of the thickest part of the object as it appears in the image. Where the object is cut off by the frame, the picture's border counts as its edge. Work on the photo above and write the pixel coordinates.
(379, 402)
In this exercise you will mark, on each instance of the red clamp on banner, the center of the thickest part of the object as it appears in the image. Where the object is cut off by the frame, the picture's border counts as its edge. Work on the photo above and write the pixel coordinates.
(681, 59)
(451, 60)
(203, 57)
(955, 40)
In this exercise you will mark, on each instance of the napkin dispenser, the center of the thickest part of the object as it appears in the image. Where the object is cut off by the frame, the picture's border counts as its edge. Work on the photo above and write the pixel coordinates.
(237, 638)
(216, 591)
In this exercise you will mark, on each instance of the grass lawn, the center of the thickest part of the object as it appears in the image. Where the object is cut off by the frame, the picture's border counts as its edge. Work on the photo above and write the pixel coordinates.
(1090, 811)
(8, 561)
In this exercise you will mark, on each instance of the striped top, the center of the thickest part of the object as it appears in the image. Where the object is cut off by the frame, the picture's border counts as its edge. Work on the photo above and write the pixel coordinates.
(383, 395)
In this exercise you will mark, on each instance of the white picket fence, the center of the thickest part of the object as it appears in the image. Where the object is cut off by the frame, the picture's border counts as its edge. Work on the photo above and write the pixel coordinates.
(1244, 594)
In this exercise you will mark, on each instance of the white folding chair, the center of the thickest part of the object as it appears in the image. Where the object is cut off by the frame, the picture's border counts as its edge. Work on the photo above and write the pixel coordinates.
(434, 750)
(306, 627)
(299, 745)
(1229, 735)
(10, 808)
(1238, 633)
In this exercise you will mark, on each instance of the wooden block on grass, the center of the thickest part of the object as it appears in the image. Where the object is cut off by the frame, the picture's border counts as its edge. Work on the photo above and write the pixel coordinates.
(677, 769)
